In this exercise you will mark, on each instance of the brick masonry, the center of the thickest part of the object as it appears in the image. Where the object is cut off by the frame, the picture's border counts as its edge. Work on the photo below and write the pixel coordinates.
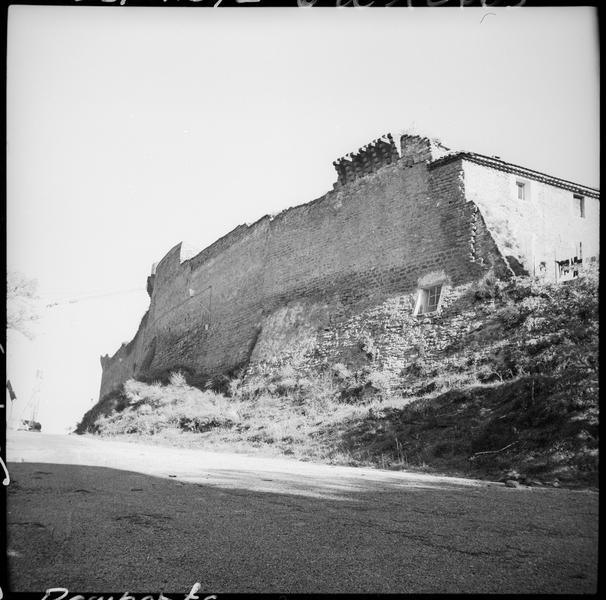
(290, 287)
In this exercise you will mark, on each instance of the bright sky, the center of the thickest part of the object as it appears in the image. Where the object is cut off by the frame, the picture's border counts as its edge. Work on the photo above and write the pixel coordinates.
(131, 129)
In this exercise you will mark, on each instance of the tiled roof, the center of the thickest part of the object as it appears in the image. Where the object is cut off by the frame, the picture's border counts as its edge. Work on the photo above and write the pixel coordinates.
(501, 165)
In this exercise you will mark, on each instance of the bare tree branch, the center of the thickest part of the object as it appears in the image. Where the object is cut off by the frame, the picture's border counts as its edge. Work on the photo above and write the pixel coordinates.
(21, 303)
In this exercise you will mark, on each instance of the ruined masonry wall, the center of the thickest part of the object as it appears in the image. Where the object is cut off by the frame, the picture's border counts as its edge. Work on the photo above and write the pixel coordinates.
(277, 286)
(435, 236)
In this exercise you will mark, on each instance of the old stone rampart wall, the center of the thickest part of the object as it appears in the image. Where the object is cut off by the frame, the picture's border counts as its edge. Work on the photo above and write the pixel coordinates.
(367, 239)
(290, 285)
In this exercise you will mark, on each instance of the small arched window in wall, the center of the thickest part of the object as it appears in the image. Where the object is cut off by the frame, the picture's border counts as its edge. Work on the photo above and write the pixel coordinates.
(428, 300)
(522, 188)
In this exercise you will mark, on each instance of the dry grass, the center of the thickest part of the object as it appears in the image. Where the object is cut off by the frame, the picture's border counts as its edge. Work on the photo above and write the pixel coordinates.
(525, 380)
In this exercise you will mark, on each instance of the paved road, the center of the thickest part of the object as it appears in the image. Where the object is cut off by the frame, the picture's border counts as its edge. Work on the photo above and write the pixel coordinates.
(92, 515)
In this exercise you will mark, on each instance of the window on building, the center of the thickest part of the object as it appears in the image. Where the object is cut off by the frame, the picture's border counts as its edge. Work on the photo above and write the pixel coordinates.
(579, 205)
(429, 299)
(521, 190)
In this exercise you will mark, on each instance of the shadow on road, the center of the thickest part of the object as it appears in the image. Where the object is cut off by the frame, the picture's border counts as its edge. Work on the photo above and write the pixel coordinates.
(96, 528)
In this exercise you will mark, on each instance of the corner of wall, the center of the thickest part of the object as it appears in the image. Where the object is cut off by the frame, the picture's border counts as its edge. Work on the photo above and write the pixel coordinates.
(187, 250)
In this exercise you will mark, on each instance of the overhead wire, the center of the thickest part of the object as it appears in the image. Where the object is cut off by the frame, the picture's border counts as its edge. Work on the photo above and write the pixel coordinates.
(93, 296)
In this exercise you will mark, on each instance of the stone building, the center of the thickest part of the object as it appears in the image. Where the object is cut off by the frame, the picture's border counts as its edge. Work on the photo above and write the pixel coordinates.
(407, 222)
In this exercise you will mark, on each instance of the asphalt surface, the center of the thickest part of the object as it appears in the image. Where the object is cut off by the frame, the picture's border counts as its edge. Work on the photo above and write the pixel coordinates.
(96, 516)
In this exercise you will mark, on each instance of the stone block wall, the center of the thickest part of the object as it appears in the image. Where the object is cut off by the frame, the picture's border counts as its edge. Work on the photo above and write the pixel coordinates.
(291, 286)
(368, 159)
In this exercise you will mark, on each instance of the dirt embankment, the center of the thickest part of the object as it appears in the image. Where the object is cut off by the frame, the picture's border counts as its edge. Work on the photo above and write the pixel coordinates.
(513, 397)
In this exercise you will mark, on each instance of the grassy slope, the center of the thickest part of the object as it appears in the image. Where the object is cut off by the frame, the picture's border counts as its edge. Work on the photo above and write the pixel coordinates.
(514, 397)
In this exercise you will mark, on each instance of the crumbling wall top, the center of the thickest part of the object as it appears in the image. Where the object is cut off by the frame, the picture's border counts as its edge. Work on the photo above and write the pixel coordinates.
(384, 151)
(368, 159)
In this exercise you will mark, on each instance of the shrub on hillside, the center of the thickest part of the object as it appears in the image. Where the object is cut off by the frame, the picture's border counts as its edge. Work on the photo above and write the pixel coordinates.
(367, 345)
(177, 379)
(283, 382)
(137, 392)
(152, 408)
(489, 287)
(558, 324)
(340, 372)
(367, 384)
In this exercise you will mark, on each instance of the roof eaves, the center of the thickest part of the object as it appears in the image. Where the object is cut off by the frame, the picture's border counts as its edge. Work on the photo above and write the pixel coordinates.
(501, 165)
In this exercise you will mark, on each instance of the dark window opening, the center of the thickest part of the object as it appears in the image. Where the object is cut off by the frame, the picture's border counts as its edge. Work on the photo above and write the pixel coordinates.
(579, 206)
(521, 190)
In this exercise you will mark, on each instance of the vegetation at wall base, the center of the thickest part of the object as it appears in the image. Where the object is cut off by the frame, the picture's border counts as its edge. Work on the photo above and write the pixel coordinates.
(514, 398)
